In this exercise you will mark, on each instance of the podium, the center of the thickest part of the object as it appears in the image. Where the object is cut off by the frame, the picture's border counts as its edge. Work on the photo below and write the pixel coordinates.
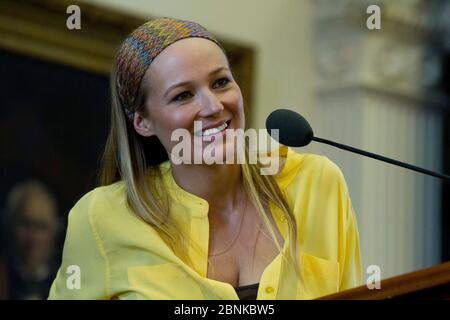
(427, 284)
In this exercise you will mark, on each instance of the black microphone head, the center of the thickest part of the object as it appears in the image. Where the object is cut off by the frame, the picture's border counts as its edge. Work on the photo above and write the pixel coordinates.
(294, 130)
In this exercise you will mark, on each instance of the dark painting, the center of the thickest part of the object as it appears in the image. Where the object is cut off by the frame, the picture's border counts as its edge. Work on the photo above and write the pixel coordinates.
(53, 126)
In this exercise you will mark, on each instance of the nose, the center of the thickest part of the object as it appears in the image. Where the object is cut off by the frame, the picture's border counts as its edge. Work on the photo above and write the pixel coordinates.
(210, 104)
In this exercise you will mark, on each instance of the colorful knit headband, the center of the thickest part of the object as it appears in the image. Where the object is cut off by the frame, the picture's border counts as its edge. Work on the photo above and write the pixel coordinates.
(142, 46)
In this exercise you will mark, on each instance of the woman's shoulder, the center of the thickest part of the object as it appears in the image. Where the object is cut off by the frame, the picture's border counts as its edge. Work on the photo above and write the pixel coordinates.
(106, 212)
(114, 193)
(307, 167)
(98, 202)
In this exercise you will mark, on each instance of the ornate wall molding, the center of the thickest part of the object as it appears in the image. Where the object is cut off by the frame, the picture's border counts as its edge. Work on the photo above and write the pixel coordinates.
(379, 90)
(404, 56)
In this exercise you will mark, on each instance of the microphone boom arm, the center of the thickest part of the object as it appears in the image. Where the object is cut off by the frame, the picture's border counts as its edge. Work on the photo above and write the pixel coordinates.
(378, 157)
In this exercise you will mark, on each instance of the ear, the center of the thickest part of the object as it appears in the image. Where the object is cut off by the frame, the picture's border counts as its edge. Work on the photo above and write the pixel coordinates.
(142, 125)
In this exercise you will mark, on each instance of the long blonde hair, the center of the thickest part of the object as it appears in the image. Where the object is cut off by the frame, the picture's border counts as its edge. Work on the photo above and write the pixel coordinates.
(133, 159)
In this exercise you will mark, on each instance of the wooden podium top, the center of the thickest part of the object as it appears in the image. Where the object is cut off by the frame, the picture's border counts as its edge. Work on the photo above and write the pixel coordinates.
(431, 283)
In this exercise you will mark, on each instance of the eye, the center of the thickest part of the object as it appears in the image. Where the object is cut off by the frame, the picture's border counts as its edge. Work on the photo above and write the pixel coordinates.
(182, 96)
(222, 82)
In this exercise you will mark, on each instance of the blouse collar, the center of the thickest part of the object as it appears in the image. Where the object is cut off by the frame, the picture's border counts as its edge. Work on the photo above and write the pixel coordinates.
(199, 206)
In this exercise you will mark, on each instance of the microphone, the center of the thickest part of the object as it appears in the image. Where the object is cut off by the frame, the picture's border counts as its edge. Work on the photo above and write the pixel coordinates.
(295, 131)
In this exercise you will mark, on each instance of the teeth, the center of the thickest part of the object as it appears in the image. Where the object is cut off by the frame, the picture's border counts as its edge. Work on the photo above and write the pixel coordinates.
(212, 131)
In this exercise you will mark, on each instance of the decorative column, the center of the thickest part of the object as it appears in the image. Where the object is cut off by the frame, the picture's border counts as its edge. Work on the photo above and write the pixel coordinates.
(377, 91)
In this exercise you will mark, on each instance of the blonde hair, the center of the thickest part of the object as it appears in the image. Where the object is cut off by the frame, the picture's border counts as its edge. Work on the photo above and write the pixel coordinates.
(135, 160)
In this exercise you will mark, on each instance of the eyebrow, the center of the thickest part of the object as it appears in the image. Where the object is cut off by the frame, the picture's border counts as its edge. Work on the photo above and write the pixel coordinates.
(180, 84)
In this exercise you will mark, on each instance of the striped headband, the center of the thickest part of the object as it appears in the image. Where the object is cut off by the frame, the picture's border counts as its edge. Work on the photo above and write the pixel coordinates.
(142, 46)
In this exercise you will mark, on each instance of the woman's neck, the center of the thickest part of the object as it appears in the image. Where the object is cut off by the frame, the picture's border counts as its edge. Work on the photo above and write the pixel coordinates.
(220, 185)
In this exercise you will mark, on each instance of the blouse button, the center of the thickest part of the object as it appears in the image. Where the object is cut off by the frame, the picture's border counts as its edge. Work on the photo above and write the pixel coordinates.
(270, 289)
(283, 219)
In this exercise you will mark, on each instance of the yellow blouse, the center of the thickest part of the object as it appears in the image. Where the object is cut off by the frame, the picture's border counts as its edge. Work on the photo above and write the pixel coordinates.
(117, 255)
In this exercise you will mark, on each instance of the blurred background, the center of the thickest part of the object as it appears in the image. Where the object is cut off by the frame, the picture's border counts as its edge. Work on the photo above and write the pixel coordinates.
(385, 91)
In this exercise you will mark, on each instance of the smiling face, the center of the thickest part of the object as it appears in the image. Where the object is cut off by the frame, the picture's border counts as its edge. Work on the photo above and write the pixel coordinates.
(190, 81)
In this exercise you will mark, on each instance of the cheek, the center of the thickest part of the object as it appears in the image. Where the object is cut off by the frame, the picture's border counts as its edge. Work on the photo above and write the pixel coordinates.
(182, 117)
(175, 118)
(235, 104)
(44, 238)
(234, 99)
(20, 234)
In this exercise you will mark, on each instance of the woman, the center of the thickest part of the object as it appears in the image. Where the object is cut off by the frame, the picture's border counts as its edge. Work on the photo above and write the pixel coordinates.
(160, 230)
